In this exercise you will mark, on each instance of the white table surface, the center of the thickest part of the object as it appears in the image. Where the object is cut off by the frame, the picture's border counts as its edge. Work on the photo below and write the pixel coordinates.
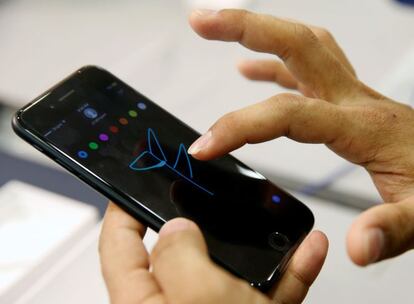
(37, 228)
(77, 279)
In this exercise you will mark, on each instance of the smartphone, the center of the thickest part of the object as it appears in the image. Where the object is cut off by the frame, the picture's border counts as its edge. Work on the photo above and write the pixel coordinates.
(135, 153)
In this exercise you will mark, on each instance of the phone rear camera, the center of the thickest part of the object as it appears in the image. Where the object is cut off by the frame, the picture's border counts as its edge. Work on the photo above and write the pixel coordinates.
(278, 241)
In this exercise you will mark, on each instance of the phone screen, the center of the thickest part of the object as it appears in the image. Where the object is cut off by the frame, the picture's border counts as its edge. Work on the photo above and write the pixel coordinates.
(112, 131)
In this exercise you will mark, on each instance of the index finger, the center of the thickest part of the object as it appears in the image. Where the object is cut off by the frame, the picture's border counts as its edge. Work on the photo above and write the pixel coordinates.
(302, 119)
(124, 259)
(307, 59)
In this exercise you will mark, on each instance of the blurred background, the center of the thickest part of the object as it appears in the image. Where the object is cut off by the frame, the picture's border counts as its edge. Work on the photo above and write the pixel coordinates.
(50, 222)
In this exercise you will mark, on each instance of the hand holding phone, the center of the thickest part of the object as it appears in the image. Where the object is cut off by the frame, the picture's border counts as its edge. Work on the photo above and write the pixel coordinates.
(135, 153)
(182, 270)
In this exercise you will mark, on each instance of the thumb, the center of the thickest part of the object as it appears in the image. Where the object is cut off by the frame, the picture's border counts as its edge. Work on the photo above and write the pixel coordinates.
(382, 232)
(179, 256)
(185, 273)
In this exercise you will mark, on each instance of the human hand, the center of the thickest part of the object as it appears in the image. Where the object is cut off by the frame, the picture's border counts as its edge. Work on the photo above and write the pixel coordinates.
(181, 270)
(337, 109)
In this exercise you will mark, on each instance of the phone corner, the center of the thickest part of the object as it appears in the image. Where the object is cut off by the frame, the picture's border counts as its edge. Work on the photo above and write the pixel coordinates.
(16, 122)
(308, 217)
(89, 67)
(267, 285)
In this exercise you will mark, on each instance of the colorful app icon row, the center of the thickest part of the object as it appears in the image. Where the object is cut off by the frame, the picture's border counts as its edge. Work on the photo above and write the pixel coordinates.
(103, 137)
(124, 121)
(93, 145)
(91, 113)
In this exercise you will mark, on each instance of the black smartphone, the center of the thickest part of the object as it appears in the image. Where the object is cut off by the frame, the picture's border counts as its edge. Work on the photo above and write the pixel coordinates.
(135, 153)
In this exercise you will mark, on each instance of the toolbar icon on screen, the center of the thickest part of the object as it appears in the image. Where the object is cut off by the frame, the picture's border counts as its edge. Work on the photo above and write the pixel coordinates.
(83, 154)
(90, 113)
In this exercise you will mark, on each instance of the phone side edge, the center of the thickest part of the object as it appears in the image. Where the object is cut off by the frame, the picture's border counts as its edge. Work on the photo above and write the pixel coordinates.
(112, 195)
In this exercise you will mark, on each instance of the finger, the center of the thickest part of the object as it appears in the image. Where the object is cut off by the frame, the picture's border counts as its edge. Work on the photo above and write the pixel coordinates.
(306, 58)
(272, 70)
(124, 259)
(327, 39)
(382, 232)
(303, 270)
(268, 70)
(299, 118)
(186, 274)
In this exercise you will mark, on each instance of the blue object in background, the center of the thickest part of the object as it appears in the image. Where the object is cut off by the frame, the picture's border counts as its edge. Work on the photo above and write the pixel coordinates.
(410, 2)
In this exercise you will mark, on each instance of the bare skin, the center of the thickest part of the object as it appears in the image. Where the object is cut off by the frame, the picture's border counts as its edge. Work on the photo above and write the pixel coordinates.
(182, 271)
(335, 108)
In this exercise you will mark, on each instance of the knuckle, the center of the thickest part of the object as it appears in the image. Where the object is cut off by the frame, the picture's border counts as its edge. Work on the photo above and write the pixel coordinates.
(239, 16)
(323, 34)
(377, 116)
(303, 34)
(237, 12)
(400, 218)
(229, 121)
(286, 102)
(165, 245)
(243, 13)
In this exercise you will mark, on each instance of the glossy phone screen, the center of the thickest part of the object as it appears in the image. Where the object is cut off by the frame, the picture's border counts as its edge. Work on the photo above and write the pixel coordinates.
(114, 132)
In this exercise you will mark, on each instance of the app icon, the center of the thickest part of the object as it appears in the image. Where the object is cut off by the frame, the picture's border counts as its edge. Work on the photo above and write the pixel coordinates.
(114, 129)
(141, 106)
(123, 121)
(90, 113)
(276, 199)
(82, 154)
(103, 137)
(133, 113)
(93, 145)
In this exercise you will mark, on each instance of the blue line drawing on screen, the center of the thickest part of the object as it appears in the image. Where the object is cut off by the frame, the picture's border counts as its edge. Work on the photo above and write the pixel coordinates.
(162, 160)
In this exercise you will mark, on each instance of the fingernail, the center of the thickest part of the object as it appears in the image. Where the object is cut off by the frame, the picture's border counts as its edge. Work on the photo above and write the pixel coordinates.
(204, 12)
(175, 225)
(375, 240)
(200, 143)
